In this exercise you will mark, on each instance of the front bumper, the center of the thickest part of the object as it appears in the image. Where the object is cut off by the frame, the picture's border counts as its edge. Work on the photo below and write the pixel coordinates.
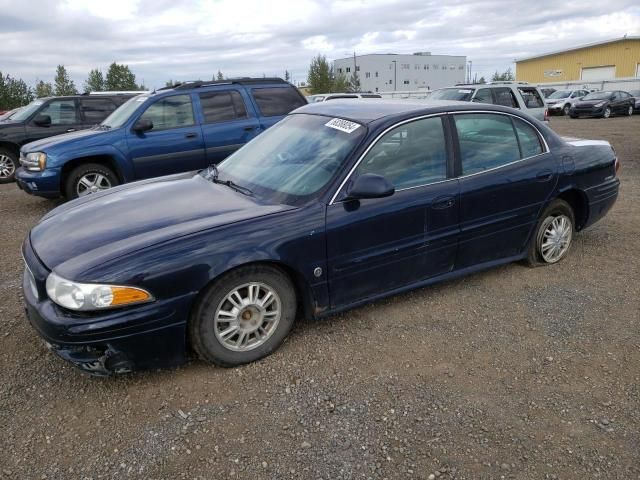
(112, 341)
(43, 184)
(587, 112)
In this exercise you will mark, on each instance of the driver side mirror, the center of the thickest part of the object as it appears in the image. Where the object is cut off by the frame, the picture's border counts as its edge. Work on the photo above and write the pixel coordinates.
(42, 120)
(370, 185)
(142, 126)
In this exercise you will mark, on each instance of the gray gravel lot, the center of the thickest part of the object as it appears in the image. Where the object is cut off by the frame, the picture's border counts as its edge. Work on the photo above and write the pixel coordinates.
(512, 373)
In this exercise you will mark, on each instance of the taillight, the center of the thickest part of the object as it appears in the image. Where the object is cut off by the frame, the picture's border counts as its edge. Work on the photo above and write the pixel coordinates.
(546, 114)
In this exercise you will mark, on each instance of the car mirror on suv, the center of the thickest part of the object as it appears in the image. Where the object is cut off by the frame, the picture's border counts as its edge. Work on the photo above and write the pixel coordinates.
(42, 120)
(370, 185)
(142, 126)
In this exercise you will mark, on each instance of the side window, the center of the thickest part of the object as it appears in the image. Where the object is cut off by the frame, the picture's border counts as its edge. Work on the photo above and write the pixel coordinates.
(529, 140)
(170, 112)
(95, 110)
(505, 97)
(222, 106)
(483, 95)
(531, 97)
(486, 141)
(277, 101)
(62, 112)
(410, 155)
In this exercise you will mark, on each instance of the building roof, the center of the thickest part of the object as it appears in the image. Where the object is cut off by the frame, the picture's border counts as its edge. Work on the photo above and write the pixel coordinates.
(416, 55)
(579, 47)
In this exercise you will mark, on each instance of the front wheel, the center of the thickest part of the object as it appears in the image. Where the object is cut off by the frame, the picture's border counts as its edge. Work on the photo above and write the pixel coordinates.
(606, 113)
(630, 110)
(566, 109)
(89, 178)
(243, 316)
(8, 165)
(553, 235)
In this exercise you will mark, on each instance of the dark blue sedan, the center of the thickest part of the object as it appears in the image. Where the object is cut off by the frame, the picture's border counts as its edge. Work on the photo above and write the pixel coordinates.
(339, 204)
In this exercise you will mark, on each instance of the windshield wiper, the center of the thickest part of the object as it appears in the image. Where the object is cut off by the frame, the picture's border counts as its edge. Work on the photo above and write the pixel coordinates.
(212, 173)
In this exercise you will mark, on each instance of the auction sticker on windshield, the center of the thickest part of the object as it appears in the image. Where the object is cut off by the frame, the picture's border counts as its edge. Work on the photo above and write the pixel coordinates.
(342, 125)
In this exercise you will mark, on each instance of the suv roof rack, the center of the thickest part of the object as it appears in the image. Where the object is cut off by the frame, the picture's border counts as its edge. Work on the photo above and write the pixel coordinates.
(507, 82)
(241, 81)
(120, 92)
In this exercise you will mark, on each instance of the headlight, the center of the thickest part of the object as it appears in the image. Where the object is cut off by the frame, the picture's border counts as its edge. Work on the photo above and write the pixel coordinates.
(34, 161)
(599, 104)
(93, 296)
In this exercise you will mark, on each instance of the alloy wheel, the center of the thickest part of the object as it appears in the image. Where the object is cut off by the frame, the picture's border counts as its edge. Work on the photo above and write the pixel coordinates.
(556, 238)
(247, 316)
(92, 183)
(7, 167)
(606, 113)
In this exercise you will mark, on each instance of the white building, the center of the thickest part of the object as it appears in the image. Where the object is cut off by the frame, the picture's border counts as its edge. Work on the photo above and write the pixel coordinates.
(390, 72)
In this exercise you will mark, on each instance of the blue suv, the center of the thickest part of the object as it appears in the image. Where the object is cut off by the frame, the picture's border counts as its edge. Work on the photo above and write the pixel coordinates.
(182, 128)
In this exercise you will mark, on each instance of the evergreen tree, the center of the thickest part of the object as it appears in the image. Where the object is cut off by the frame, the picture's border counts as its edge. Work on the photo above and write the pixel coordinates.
(287, 76)
(14, 92)
(95, 82)
(319, 76)
(63, 85)
(341, 83)
(120, 77)
(219, 76)
(505, 76)
(43, 89)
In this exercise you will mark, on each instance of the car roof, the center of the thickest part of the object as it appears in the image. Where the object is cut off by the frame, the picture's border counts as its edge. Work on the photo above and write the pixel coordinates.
(375, 109)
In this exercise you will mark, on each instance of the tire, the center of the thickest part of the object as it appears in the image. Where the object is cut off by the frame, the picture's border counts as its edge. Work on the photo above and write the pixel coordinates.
(566, 108)
(208, 327)
(606, 112)
(630, 111)
(556, 211)
(573, 115)
(8, 165)
(80, 177)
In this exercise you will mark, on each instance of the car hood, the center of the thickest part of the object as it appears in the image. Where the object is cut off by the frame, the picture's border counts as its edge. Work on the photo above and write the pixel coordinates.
(90, 231)
(47, 143)
(589, 103)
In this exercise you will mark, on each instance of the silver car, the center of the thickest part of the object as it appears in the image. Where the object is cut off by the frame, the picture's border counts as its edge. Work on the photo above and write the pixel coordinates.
(519, 95)
(561, 101)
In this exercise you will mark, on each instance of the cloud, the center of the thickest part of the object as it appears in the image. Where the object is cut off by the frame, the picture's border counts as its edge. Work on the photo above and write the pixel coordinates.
(168, 39)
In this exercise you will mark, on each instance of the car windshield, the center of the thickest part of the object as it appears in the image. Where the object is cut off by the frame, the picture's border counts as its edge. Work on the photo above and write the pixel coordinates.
(294, 160)
(27, 111)
(124, 112)
(597, 96)
(560, 94)
(462, 94)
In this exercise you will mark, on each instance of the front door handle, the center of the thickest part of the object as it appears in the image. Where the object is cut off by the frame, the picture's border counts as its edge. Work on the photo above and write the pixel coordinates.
(442, 203)
(248, 129)
(191, 135)
(544, 176)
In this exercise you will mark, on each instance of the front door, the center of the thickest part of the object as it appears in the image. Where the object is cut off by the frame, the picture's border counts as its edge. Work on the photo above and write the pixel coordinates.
(173, 145)
(507, 175)
(378, 245)
(64, 117)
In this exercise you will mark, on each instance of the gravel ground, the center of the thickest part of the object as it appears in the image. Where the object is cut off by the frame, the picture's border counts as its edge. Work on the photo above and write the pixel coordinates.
(512, 373)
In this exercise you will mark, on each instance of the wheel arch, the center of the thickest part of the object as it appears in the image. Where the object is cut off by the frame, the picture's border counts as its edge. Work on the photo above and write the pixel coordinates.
(101, 159)
(579, 203)
(12, 147)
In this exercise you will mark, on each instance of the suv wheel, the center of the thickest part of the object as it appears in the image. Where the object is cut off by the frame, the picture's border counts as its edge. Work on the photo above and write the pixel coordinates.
(566, 109)
(8, 165)
(89, 178)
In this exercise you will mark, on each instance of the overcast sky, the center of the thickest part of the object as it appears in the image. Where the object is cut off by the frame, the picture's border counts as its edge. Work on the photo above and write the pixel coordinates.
(170, 39)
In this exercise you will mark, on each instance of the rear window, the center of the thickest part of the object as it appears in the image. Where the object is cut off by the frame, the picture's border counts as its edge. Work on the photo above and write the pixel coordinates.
(531, 97)
(505, 97)
(222, 106)
(277, 101)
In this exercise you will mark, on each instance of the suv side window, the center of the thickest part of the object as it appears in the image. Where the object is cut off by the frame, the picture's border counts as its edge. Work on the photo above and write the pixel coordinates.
(487, 141)
(95, 110)
(62, 112)
(483, 95)
(170, 112)
(504, 96)
(277, 101)
(410, 155)
(222, 106)
(528, 138)
(531, 97)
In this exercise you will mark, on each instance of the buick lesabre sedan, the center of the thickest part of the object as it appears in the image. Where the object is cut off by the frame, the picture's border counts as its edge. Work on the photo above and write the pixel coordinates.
(339, 204)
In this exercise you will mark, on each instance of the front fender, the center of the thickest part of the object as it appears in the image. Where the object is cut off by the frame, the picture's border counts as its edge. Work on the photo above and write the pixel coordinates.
(121, 162)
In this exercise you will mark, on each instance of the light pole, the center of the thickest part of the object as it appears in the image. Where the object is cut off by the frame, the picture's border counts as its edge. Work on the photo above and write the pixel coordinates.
(394, 74)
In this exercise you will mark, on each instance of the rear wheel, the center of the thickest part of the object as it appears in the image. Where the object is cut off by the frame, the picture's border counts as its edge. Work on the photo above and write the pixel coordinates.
(243, 316)
(607, 112)
(8, 165)
(89, 178)
(553, 235)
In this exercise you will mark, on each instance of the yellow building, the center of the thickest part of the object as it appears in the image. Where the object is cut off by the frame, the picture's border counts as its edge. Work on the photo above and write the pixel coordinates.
(608, 60)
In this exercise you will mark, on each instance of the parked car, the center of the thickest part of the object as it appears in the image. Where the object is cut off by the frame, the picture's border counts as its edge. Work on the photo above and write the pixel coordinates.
(519, 95)
(46, 117)
(560, 101)
(176, 129)
(339, 204)
(636, 97)
(323, 97)
(603, 104)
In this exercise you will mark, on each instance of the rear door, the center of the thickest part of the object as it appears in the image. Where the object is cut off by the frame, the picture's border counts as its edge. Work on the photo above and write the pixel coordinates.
(227, 123)
(506, 176)
(64, 118)
(173, 145)
(94, 110)
(273, 103)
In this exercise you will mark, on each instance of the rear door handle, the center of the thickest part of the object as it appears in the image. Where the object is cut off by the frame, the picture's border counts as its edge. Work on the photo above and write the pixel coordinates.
(442, 203)
(191, 135)
(544, 176)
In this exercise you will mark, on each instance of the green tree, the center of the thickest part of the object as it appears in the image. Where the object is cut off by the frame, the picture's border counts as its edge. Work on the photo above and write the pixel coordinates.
(63, 85)
(340, 83)
(43, 89)
(219, 76)
(482, 80)
(287, 76)
(319, 77)
(14, 92)
(505, 76)
(95, 82)
(120, 77)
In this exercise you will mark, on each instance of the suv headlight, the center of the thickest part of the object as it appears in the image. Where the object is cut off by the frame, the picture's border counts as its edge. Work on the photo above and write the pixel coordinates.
(34, 161)
(92, 296)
